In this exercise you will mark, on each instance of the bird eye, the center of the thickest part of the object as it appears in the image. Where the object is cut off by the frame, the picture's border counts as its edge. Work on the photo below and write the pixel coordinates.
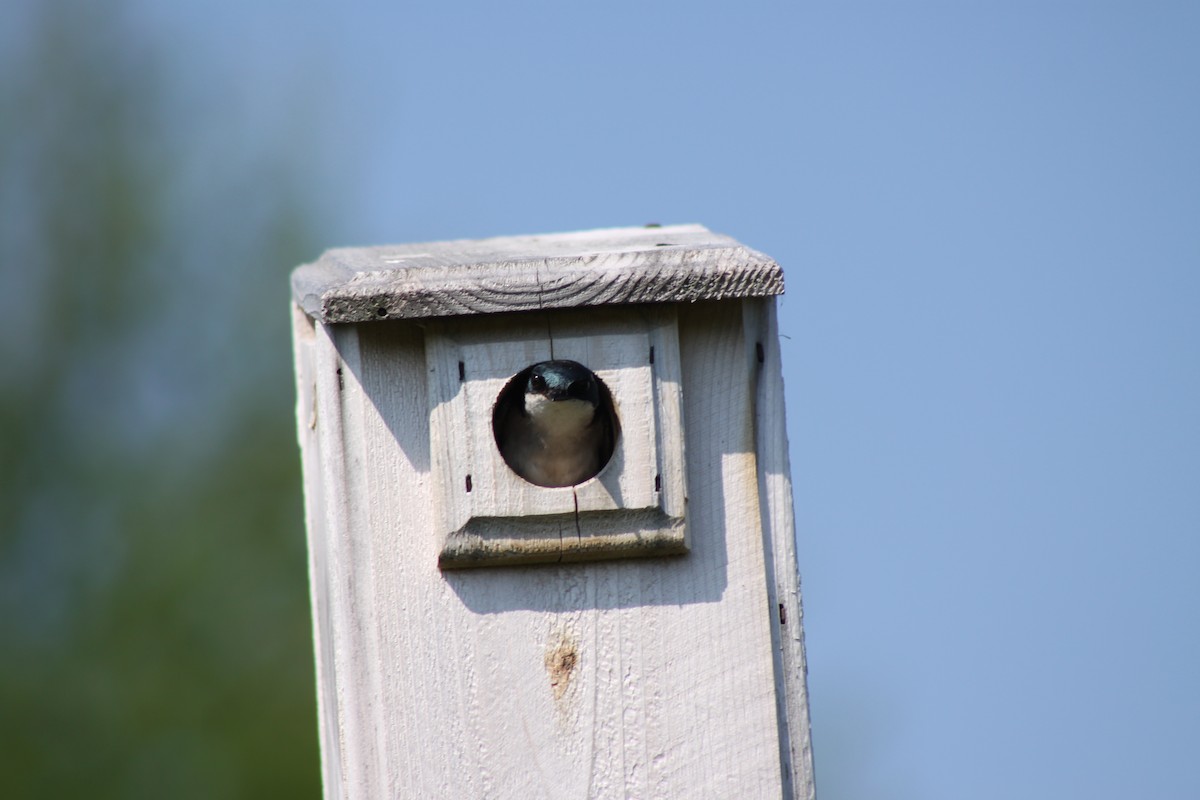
(538, 383)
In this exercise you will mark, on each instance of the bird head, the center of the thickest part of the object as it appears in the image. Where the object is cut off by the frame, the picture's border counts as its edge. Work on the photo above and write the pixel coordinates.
(561, 380)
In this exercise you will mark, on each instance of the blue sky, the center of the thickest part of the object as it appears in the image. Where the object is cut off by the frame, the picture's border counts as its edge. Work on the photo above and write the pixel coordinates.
(987, 213)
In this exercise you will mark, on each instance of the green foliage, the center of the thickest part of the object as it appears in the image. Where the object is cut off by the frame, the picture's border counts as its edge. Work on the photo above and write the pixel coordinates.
(153, 595)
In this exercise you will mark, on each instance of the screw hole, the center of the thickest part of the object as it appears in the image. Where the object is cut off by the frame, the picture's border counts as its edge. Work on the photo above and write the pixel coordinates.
(381, 311)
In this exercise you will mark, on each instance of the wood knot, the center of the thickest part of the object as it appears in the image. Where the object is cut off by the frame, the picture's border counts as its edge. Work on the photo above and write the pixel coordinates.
(561, 661)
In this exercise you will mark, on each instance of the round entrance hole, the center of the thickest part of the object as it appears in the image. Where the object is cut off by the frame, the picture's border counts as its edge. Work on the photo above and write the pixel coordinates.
(555, 423)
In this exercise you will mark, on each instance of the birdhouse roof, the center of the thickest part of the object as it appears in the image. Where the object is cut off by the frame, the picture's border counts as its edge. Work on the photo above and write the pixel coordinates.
(671, 264)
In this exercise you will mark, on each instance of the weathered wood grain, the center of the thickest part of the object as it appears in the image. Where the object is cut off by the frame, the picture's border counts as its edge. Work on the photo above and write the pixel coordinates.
(634, 506)
(681, 263)
(304, 342)
(775, 490)
(657, 677)
(648, 678)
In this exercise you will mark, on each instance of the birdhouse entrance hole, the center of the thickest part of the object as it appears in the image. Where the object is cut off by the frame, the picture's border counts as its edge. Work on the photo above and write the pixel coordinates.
(555, 423)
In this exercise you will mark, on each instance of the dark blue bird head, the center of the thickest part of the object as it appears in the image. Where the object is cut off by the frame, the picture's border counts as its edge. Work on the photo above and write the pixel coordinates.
(563, 380)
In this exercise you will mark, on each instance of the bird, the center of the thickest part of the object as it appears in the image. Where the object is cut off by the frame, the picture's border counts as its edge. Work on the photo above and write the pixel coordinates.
(554, 424)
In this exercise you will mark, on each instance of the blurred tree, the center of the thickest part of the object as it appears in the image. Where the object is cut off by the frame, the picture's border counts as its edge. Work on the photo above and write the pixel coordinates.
(153, 600)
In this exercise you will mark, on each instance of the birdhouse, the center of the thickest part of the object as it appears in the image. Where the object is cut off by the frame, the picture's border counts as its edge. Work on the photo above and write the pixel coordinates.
(549, 517)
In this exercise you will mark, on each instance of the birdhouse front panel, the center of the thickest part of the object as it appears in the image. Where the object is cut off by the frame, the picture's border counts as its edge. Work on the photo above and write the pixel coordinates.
(489, 511)
(520, 400)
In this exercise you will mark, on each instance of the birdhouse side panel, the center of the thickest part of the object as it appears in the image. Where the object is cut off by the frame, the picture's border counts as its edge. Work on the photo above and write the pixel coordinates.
(304, 343)
(760, 320)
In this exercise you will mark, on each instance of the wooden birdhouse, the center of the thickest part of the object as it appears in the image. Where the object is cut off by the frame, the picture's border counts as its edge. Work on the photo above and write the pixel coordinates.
(550, 519)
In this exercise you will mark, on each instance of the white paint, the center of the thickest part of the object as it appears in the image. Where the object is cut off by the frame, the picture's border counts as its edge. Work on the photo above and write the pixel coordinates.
(660, 677)
(437, 684)
(634, 506)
